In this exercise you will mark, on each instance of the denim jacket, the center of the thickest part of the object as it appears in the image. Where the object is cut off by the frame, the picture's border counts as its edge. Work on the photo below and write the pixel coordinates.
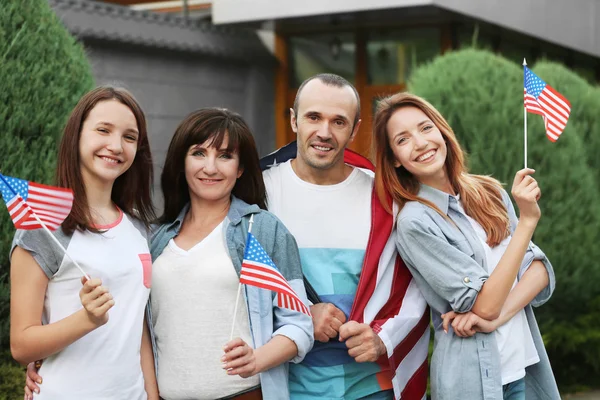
(448, 263)
(266, 318)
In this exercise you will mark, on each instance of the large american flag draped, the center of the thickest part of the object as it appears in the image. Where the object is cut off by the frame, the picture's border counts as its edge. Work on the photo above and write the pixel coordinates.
(542, 99)
(51, 204)
(259, 270)
(387, 297)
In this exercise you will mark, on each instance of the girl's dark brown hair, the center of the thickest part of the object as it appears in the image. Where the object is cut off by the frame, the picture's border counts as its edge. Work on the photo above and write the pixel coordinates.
(213, 125)
(131, 191)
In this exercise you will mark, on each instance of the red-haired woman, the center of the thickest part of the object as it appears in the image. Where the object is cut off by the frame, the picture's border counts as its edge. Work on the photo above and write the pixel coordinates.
(471, 257)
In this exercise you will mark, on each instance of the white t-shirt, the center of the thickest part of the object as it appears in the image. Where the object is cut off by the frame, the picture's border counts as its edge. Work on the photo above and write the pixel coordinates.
(331, 224)
(193, 300)
(105, 363)
(515, 343)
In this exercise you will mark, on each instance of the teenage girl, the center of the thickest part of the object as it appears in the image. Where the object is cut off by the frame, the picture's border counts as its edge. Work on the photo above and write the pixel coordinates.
(91, 333)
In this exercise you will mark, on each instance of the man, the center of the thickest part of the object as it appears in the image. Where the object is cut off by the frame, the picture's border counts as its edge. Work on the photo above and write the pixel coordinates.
(329, 207)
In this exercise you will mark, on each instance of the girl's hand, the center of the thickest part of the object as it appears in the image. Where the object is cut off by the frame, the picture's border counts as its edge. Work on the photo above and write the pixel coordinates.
(467, 324)
(239, 359)
(32, 380)
(526, 193)
(96, 300)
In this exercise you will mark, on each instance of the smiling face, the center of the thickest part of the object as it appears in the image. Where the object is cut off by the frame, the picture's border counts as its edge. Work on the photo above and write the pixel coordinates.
(418, 145)
(108, 142)
(211, 173)
(324, 124)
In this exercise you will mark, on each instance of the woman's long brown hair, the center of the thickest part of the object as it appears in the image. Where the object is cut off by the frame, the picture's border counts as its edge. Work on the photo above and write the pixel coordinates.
(480, 195)
(131, 191)
(212, 125)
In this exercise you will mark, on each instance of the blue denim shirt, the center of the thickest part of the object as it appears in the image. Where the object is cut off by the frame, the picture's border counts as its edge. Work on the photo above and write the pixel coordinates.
(266, 318)
(448, 263)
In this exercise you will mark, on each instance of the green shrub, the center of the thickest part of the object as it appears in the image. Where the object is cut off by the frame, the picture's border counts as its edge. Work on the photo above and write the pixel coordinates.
(12, 378)
(481, 95)
(44, 73)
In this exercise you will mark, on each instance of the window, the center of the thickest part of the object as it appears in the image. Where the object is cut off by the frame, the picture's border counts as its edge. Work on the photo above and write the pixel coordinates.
(392, 56)
(314, 54)
(478, 35)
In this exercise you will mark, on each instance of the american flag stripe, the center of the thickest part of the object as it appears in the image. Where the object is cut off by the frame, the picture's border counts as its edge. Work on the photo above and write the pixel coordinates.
(49, 208)
(531, 104)
(410, 366)
(285, 298)
(562, 105)
(554, 119)
(292, 303)
(549, 111)
(263, 282)
(409, 341)
(18, 210)
(266, 282)
(15, 204)
(34, 224)
(49, 217)
(59, 203)
(51, 191)
(541, 99)
(553, 114)
(255, 271)
(413, 389)
(298, 305)
(21, 213)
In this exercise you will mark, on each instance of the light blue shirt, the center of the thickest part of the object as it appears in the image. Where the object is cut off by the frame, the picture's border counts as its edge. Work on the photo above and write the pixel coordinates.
(448, 263)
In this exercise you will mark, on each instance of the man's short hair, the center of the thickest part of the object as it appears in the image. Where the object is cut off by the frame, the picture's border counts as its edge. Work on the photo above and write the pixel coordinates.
(329, 80)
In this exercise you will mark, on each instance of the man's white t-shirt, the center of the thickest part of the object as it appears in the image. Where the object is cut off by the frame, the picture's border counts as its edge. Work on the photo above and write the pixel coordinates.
(331, 224)
(105, 363)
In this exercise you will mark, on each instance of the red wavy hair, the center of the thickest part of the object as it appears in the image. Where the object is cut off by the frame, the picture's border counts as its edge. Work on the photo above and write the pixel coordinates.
(480, 195)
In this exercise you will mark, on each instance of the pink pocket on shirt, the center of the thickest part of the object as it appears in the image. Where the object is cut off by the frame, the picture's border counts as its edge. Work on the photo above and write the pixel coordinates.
(146, 260)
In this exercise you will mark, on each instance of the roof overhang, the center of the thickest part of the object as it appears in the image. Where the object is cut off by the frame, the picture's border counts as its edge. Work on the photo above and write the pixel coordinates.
(235, 11)
(572, 24)
(92, 21)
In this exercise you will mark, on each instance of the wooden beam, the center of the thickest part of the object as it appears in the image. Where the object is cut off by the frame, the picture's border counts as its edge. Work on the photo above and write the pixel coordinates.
(282, 77)
(155, 6)
(446, 41)
(195, 7)
(362, 142)
(131, 2)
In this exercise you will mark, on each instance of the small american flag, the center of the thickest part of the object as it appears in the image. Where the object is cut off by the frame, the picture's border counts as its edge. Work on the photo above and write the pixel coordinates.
(542, 99)
(25, 200)
(259, 270)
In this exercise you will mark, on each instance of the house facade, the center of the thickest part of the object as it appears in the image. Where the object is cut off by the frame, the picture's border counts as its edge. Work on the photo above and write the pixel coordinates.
(374, 44)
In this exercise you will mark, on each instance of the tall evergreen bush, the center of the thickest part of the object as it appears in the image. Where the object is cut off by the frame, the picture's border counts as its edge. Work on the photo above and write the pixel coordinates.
(481, 95)
(566, 337)
(44, 73)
